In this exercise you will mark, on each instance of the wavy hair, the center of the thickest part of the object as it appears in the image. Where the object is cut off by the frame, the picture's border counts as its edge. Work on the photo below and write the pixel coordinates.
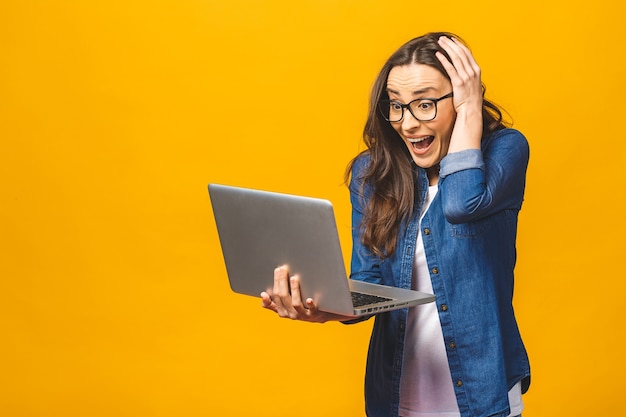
(390, 171)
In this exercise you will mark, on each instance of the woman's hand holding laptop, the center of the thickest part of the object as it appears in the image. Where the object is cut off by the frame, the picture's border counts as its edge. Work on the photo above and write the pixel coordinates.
(287, 302)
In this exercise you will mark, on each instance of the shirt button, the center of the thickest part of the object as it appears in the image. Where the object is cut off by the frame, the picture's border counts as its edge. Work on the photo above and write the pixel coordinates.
(459, 383)
(435, 270)
(452, 345)
(444, 307)
(427, 231)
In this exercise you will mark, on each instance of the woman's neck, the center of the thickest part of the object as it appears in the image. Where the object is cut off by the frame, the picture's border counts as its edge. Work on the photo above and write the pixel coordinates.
(433, 175)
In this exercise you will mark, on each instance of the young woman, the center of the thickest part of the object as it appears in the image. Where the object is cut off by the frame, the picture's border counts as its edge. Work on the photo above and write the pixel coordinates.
(435, 199)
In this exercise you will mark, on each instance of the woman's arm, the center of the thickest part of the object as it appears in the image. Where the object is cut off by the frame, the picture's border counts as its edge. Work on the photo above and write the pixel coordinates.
(477, 183)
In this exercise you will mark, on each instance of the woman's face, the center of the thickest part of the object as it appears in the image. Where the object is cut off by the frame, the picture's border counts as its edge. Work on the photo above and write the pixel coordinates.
(427, 142)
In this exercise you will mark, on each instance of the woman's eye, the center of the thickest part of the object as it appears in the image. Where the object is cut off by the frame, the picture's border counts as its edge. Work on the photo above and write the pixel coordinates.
(425, 105)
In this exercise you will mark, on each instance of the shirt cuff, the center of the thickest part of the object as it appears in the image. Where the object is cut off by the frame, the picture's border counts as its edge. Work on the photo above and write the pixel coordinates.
(459, 161)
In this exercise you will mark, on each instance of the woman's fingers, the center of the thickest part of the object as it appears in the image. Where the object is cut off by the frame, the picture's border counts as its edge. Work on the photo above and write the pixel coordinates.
(298, 309)
(448, 63)
(287, 296)
(286, 300)
(462, 66)
(460, 55)
(281, 294)
(462, 59)
(464, 73)
(267, 302)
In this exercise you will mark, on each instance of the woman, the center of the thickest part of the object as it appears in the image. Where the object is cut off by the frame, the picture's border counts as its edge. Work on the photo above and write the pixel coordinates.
(435, 203)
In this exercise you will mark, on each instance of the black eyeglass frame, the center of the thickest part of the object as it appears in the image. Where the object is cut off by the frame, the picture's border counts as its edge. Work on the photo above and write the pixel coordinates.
(408, 107)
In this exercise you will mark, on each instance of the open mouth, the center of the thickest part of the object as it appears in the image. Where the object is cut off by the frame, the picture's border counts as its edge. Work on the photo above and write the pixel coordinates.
(422, 143)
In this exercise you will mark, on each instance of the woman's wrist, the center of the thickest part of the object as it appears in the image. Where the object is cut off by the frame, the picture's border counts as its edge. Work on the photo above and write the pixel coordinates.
(467, 131)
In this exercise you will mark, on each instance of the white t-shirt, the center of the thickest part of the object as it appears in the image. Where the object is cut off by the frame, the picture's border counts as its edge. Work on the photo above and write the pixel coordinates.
(426, 388)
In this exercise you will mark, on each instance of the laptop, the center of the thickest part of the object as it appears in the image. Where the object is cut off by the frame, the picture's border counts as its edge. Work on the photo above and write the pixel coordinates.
(261, 230)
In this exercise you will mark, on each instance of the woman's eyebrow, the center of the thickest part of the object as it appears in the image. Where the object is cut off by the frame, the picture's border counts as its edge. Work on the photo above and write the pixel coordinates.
(423, 90)
(415, 93)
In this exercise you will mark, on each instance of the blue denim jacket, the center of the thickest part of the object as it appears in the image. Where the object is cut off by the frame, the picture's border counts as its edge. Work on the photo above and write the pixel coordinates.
(469, 237)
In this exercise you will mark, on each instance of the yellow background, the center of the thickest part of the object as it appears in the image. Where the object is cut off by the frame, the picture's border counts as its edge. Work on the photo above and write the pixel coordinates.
(115, 115)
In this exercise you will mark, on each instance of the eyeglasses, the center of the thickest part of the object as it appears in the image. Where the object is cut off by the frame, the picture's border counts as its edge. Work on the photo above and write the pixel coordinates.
(423, 109)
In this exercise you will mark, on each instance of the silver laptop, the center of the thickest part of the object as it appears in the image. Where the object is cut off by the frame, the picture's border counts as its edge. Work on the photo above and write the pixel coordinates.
(260, 230)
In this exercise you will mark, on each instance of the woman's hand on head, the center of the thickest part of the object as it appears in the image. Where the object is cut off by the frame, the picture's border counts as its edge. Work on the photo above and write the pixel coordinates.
(464, 74)
(286, 300)
(467, 87)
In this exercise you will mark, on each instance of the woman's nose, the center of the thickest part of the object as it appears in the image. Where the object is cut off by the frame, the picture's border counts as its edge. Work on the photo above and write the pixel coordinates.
(409, 121)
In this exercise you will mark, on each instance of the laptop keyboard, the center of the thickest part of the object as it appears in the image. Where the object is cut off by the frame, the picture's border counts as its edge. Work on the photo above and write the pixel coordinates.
(360, 299)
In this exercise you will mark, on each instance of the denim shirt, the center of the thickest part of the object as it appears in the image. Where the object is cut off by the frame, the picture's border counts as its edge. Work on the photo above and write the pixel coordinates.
(469, 235)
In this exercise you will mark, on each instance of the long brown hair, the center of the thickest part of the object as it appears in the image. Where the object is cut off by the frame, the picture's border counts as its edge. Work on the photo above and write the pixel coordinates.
(390, 171)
